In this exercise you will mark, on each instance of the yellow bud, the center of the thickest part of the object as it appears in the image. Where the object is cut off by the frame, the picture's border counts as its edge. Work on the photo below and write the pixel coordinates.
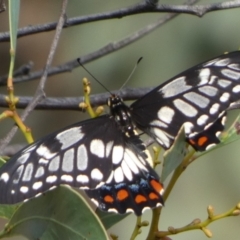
(144, 223)
(99, 110)
(195, 221)
(207, 232)
(171, 229)
(238, 205)
(83, 105)
(236, 212)
(210, 211)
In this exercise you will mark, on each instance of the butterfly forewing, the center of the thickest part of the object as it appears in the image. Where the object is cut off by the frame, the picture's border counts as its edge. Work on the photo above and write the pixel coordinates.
(80, 156)
(196, 98)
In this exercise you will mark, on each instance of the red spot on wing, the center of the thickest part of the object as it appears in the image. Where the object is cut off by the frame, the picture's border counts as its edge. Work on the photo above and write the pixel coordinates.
(122, 194)
(153, 196)
(140, 198)
(156, 185)
(202, 140)
(108, 199)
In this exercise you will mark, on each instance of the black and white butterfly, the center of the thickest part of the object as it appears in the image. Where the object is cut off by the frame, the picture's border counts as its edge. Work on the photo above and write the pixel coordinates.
(106, 157)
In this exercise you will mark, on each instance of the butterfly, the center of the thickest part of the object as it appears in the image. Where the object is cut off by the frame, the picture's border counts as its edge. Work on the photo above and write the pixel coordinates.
(106, 156)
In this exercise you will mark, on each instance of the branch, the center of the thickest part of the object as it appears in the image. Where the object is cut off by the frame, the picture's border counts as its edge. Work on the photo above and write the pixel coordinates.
(139, 8)
(197, 224)
(39, 94)
(72, 103)
(109, 48)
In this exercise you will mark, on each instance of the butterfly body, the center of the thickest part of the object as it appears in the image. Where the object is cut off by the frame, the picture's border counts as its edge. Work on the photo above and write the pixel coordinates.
(106, 157)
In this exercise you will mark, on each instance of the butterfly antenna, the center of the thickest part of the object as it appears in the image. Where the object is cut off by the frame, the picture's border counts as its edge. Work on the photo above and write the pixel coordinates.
(79, 61)
(129, 77)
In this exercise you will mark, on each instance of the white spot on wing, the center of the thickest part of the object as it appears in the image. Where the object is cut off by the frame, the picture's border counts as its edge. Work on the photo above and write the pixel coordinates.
(214, 109)
(174, 87)
(67, 161)
(37, 185)
(18, 174)
(97, 148)
(69, 137)
(110, 178)
(109, 148)
(234, 66)
(136, 159)
(24, 189)
(43, 161)
(127, 172)
(188, 126)
(40, 172)
(27, 175)
(204, 75)
(118, 175)
(5, 177)
(202, 120)
(54, 164)
(82, 158)
(231, 74)
(162, 137)
(166, 114)
(197, 99)
(117, 154)
(23, 158)
(236, 89)
(67, 178)
(208, 90)
(185, 108)
(225, 97)
(157, 123)
(223, 83)
(222, 62)
(45, 152)
(96, 174)
(51, 179)
(82, 178)
(129, 162)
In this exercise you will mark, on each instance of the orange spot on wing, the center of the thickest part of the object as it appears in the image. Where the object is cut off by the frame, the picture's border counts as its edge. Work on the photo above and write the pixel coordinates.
(153, 196)
(122, 194)
(202, 140)
(108, 199)
(156, 185)
(140, 198)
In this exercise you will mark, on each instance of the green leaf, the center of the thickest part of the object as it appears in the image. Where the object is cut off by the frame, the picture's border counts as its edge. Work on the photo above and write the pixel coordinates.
(14, 9)
(59, 214)
(174, 155)
(109, 219)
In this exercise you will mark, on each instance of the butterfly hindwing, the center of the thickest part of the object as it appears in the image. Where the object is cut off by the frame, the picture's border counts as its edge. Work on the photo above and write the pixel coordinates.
(196, 98)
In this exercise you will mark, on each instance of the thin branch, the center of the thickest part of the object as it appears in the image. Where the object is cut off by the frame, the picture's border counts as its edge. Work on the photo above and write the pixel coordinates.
(39, 94)
(145, 7)
(72, 103)
(2, 6)
(109, 48)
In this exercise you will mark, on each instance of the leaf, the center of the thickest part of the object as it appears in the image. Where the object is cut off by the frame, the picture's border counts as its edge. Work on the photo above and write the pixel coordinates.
(14, 9)
(59, 214)
(174, 156)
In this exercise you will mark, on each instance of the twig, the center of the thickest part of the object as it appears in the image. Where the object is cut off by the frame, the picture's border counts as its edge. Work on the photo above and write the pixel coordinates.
(2, 6)
(72, 103)
(144, 7)
(39, 94)
(109, 48)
